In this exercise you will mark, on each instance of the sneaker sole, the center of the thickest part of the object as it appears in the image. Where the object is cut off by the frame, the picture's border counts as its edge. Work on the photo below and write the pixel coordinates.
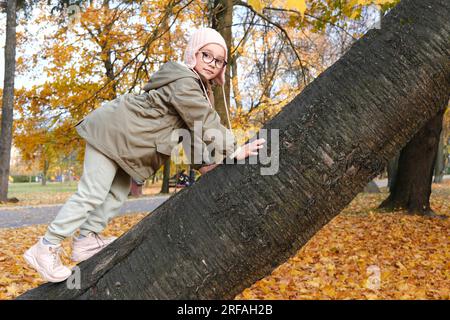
(33, 263)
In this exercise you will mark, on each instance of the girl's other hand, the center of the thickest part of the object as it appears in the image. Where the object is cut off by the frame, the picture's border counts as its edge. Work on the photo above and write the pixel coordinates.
(250, 149)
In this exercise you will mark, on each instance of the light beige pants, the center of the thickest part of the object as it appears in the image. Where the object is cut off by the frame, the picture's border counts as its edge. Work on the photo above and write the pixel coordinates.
(102, 190)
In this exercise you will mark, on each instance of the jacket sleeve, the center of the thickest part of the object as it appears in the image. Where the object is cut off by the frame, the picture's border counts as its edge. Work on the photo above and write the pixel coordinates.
(193, 107)
(199, 147)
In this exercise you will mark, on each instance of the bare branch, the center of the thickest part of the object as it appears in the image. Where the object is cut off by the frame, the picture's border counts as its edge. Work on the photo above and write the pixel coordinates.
(241, 3)
(153, 37)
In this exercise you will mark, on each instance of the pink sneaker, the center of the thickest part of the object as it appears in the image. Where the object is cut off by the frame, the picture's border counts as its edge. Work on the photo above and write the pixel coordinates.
(86, 247)
(45, 260)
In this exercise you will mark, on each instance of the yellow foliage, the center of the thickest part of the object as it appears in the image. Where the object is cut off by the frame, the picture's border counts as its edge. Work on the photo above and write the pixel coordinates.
(256, 4)
(298, 5)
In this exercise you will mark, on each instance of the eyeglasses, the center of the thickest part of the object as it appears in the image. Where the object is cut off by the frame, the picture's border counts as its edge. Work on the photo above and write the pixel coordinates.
(208, 58)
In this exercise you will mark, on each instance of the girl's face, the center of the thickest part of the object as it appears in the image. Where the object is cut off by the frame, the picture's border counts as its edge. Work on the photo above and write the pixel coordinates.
(209, 70)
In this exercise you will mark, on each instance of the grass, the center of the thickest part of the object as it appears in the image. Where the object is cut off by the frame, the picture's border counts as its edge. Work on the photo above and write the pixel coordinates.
(35, 193)
(18, 189)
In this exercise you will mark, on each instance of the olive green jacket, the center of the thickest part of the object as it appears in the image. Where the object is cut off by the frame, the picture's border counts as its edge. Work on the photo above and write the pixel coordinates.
(135, 130)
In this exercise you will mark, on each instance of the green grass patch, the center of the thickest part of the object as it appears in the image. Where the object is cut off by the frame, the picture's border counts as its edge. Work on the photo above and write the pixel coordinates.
(52, 187)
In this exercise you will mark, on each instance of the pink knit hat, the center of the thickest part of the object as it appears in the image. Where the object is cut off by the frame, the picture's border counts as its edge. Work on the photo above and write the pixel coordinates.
(201, 37)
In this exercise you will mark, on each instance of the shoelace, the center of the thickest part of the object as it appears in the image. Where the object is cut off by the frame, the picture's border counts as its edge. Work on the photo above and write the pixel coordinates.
(98, 237)
(55, 255)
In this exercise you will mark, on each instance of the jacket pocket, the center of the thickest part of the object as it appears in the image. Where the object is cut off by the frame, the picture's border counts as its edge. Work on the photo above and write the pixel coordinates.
(165, 147)
(157, 160)
(165, 144)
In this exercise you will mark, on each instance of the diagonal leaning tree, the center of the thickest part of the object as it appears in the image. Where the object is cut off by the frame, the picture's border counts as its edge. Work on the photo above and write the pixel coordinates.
(235, 225)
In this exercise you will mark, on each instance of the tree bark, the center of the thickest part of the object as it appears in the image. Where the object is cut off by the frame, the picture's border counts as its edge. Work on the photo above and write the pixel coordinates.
(106, 53)
(235, 225)
(412, 188)
(44, 172)
(392, 169)
(166, 177)
(440, 164)
(8, 99)
(222, 19)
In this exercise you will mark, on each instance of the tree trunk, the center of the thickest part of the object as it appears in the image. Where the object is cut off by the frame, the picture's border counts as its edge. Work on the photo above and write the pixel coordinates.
(166, 40)
(392, 169)
(412, 188)
(222, 19)
(439, 166)
(191, 176)
(44, 173)
(8, 99)
(210, 241)
(166, 177)
(106, 52)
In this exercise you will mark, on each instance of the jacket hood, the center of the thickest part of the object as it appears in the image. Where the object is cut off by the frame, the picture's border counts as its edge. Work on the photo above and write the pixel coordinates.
(169, 72)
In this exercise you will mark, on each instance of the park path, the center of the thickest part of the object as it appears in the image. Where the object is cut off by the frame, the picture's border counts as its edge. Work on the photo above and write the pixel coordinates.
(15, 217)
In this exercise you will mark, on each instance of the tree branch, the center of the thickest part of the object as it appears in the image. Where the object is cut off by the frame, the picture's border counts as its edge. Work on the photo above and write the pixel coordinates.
(241, 3)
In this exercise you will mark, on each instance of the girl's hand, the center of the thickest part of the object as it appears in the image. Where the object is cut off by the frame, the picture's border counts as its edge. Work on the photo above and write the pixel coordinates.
(205, 169)
(250, 149)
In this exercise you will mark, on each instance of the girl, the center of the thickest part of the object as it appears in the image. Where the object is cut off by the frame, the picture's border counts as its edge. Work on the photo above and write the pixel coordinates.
(131, 137)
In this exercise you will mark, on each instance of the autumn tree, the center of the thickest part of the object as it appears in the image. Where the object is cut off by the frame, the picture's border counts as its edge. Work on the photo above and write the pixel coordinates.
(413, 170)
(8, 97)
(90, 58)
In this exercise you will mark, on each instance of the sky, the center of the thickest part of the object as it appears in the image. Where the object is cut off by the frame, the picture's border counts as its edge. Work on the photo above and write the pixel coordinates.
(37, 76)
(20, 81)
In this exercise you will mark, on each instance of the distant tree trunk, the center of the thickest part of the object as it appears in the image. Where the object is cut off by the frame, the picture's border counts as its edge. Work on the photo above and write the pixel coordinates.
(222, 19)
(166, 177)
(412, 188)
(166, 39)
(439, 166)
(191, 176)
(392, 168)
(44, 172)
(237, 224)
(106, 52)
(8, 99)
